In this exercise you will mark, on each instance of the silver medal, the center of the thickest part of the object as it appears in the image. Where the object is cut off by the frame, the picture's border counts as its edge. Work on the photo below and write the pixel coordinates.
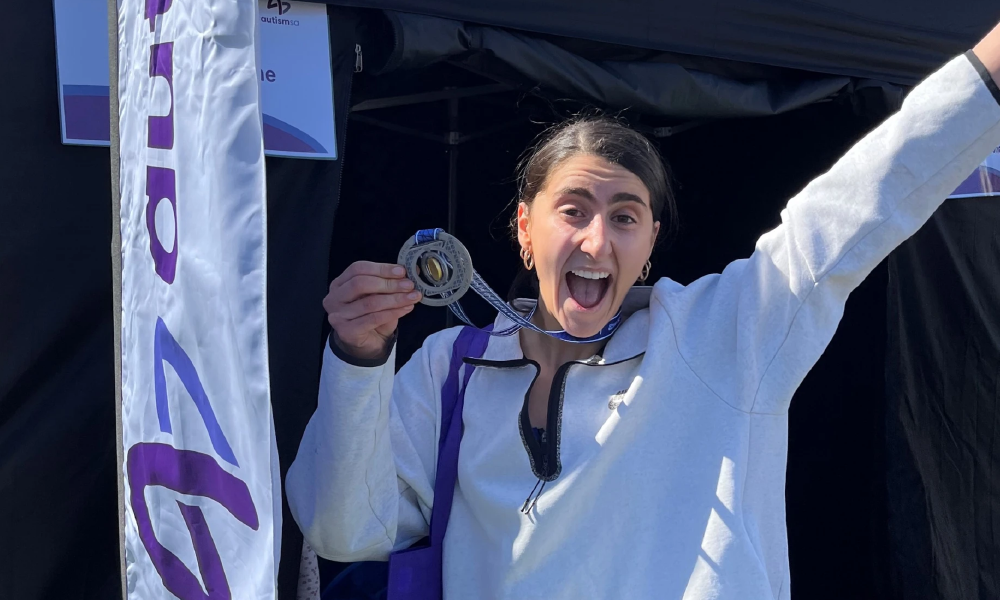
(440, 269)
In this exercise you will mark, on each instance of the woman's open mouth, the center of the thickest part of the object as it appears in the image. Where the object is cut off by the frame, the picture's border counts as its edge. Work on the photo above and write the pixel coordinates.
(588, 288)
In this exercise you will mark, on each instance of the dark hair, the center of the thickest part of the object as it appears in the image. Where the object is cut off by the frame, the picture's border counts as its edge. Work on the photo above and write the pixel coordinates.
(606, 138)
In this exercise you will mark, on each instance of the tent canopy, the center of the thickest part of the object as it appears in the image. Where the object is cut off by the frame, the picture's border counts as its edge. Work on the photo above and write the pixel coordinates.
(898, 41)
(651, 83)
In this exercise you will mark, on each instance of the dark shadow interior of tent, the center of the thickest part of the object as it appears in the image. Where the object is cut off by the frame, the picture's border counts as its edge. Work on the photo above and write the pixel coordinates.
(433, 140)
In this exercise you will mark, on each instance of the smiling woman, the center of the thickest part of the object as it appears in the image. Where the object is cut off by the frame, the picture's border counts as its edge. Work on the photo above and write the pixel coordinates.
(654, 460)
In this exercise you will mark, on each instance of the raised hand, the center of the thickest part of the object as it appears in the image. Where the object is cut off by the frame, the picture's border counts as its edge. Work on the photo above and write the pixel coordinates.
(365, 304)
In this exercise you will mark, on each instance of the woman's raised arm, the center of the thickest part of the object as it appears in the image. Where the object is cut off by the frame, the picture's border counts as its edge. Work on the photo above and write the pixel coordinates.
(362, 482)
(754, 332)
(988, 52)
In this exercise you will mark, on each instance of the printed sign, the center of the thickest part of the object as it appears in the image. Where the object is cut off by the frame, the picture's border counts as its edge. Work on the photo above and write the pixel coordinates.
(82, 56)
(296, 83)
(202, 494)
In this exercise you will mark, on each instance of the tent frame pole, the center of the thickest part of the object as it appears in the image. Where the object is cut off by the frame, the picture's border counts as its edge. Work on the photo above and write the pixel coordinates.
(116, 277)
(454, 142)
(454, 139)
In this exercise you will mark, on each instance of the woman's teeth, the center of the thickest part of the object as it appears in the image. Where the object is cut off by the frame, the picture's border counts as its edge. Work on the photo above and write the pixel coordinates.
(591, 274)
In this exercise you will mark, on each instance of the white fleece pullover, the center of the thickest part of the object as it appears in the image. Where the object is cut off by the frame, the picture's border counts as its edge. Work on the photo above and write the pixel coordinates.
(671, 446)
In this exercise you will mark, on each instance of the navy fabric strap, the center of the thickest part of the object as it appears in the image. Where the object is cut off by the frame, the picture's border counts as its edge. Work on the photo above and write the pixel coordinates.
(486, 293)
(471, 343)
(416, 573)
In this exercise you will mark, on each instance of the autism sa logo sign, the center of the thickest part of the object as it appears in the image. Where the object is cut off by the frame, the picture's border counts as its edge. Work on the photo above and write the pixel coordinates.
(283, 7)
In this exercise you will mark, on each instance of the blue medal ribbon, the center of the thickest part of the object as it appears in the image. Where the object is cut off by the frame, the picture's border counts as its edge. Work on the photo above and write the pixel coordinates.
(479, 286)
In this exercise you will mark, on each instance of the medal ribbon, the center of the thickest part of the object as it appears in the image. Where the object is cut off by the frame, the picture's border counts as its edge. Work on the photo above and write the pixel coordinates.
(486, 293)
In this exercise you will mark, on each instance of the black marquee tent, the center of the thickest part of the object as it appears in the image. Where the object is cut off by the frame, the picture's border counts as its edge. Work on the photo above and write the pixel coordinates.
(892, 490)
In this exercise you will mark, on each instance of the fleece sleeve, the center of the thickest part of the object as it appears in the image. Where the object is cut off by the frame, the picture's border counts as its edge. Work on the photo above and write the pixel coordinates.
(362, 483)
(752, 333)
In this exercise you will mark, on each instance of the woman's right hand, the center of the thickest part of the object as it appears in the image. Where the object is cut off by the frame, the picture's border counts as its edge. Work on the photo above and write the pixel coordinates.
(364, 306)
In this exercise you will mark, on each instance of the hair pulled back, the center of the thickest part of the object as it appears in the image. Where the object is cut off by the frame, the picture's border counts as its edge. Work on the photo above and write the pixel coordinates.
(600, 136)
(606, 138)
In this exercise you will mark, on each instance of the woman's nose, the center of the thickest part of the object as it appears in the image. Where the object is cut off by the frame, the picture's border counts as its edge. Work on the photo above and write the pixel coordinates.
(595, 240)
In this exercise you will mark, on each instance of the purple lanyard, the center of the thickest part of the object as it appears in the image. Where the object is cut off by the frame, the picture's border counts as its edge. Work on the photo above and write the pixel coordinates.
(416, 573)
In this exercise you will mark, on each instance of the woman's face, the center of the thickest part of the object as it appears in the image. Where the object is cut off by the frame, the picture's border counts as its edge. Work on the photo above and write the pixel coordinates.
(590, 230)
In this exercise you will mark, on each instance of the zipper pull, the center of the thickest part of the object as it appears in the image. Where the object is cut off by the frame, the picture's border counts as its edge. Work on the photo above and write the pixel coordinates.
(359, 64)
(529, 504)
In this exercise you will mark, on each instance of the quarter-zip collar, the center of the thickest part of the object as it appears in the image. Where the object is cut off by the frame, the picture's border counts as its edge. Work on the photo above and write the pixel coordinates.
(504, 352)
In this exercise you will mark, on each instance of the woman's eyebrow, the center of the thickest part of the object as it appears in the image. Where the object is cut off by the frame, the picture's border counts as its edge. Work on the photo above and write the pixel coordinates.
(627, 197)
(616, 199)
(578, 191)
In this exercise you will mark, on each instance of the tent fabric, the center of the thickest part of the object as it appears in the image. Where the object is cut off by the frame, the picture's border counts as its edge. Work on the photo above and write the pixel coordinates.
(58, 494)
(899, 41)
(943, 406)
(651, 87)
(302, 199)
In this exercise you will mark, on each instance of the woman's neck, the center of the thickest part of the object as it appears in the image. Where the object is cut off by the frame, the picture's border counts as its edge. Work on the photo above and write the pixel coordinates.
(547, 351)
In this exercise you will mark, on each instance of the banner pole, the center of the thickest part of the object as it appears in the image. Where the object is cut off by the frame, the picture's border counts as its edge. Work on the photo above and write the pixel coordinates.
(116, 275)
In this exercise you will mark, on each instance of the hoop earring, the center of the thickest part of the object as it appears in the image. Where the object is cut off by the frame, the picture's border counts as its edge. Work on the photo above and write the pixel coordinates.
(645, 271)
(527, 258)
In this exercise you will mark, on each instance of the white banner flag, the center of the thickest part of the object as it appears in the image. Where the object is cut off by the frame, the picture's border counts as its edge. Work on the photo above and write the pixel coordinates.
(201, 468)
